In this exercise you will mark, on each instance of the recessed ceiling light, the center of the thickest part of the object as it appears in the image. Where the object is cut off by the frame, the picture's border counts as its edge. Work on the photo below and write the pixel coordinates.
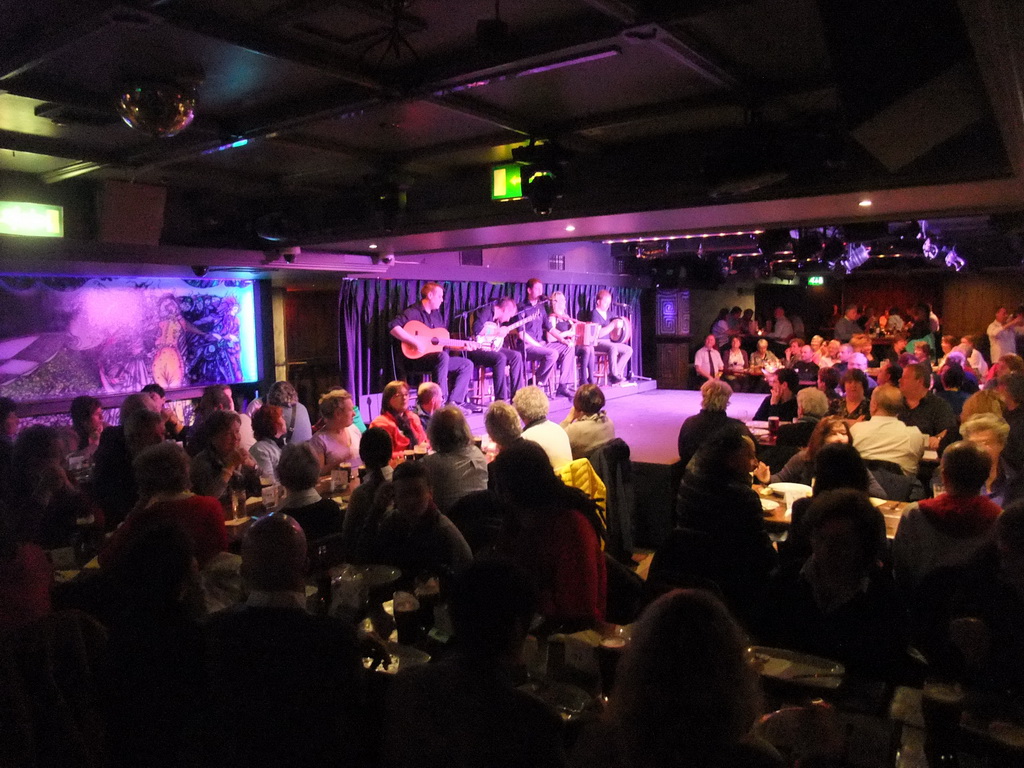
(373, 246)
(864, 203)
(570, 227)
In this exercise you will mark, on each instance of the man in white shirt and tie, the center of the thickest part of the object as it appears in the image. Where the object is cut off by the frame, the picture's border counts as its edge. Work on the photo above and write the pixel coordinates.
(708, 361)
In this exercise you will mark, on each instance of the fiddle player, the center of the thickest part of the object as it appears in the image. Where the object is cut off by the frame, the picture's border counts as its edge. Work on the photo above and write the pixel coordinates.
(618, 353)
(491, 320)
(438, 364)
(548, 354)
(562, 330)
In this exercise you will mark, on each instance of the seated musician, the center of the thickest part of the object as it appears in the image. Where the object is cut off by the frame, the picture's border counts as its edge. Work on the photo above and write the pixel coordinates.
(548, 354)
(439, 364)
(562, 330)
(489, 330)
(618, 353)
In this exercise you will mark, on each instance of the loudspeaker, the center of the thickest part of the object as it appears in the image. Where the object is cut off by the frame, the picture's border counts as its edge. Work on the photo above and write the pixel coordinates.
(131, 213)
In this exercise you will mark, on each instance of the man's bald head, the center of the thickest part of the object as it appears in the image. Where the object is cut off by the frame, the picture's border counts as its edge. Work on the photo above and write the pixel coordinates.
(886, 400)
(274, 554)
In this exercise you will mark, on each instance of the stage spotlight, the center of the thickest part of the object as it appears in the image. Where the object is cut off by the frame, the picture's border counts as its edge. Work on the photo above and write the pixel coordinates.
(289, 254)
(543, 174)
(200, 270)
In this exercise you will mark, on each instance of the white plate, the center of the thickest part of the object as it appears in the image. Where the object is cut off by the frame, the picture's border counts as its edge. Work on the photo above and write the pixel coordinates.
(797, 668)
(768, 505)
(784, 488)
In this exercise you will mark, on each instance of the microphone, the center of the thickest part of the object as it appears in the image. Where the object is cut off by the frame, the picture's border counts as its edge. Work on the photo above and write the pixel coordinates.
(620, 304)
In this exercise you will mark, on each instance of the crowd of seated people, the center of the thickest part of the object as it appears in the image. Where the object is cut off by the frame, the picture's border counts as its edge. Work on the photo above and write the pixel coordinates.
(265, 680)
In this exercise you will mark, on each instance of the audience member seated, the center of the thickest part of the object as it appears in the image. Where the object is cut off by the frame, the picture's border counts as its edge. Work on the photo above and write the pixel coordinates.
(847, 325)
(413, 535)
(338, 442)
(215, 397)
(172, 421)
(532, 405)
(763, 360)
(782, 401)
(840, 604)
(855, 405)
(800, 468)
(162, 476)
(782, 328)
(284, 687)
(484, 720)
(268, 428)
(890, 373)
(503, 425)
(428, 400)
(364, 511)
(708, 360)
(925, 410)
(43, 500)
(87, 421)
(25, 580)
(587, 424)
(151, 674)
(828, 383)
(837, 465)
(923, 352)
(697, 429)
(737, 363)
(805, 367)
(1011, 387)
(948, 529)
(283, 395)
(554, 534)
(885, 437)
(224, 467)
(716, 499)
(685, 693)
(793, 351)
(953, 383)
(113, 483)
(990, 432)
(299, 470)
(974, 361)
(977, 633)
(811, 406)
(457, 467)
(401, 424)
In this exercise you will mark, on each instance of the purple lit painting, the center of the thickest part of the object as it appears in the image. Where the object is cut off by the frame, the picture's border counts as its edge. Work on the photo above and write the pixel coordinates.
(63, 337)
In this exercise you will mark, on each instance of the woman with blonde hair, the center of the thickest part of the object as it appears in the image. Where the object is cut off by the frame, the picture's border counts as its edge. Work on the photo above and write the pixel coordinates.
(338, 442)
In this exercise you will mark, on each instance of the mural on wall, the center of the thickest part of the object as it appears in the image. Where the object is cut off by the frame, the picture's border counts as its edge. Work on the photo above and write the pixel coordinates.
(63, 337)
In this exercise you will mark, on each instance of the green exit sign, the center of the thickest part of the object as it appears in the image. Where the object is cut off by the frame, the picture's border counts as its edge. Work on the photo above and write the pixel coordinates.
(31, 219)
(816, 280)
(506, 182)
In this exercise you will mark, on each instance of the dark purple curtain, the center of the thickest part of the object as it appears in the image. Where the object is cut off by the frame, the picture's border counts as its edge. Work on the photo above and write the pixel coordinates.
(366, 355)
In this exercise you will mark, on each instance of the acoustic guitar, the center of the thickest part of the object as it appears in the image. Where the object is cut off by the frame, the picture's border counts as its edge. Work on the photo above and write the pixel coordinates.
(492, 335)
(438, 339)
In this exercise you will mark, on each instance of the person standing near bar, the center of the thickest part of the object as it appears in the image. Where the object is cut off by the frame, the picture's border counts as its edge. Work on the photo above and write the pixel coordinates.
(499, 313)
(618, 353)
(438, 364)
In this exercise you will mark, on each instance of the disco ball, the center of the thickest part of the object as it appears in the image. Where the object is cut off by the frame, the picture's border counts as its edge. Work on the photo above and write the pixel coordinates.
(161, 110)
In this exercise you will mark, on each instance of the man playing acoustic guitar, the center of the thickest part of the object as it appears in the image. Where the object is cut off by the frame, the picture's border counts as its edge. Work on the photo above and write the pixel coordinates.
(439, 364)
(489, 331)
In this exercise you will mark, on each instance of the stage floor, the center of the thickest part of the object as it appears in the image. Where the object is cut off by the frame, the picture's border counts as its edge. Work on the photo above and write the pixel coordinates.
(648, 418)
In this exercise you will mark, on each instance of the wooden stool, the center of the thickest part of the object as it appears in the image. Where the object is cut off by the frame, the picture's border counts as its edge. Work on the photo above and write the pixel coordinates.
(601, 368)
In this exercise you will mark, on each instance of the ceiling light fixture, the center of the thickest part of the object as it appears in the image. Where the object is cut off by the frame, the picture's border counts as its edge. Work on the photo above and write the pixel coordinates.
(373, 246)
(570, 227)
(864, 203)
(702, 236)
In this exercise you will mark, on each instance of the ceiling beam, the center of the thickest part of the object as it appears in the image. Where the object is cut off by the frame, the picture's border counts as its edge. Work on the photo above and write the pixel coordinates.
(896, 204)
(51, 147)
(331, 146)
(251, 38)
(34, 49)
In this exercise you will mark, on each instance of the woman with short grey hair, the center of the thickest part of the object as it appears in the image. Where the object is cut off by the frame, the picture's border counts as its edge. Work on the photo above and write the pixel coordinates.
(298, 471)
(503, 424)
(990, 433)
(532, 405)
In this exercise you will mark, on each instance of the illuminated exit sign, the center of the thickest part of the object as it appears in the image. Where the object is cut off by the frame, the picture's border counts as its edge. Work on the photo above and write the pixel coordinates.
(816, 280)
(506, 182)
(31, 219)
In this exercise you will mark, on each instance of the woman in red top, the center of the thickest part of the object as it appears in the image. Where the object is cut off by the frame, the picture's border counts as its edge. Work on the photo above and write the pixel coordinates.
(553, 533)
(398, 421)
(162, 474)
